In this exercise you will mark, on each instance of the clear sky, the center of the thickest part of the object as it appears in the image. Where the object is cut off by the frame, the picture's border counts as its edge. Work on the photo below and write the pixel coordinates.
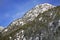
(13, 9)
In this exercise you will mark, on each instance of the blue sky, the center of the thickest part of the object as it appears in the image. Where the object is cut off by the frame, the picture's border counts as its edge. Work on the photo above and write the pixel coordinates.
(13, 9)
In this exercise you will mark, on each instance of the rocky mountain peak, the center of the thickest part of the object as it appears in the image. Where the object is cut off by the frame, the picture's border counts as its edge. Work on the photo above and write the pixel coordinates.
(34, 12)
(44, 4)
(29, 16)
(40, 23)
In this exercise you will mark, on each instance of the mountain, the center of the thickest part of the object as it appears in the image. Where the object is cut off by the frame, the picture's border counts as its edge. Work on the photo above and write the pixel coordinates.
(29, 16)
(1, 28)
(40, 23)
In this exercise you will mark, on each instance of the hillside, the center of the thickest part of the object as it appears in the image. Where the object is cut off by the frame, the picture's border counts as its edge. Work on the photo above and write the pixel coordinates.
(40, 23)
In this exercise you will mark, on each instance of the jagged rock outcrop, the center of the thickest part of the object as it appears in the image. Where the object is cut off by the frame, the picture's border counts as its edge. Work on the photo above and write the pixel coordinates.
(40, 23)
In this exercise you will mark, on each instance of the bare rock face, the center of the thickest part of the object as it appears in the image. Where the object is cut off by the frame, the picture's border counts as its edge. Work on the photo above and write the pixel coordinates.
(40, 23)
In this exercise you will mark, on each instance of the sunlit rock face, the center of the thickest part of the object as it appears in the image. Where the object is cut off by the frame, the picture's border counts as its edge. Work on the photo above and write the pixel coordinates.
(40, 23)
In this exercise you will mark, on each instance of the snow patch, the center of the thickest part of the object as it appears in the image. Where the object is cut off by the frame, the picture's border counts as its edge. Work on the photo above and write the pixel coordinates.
(37, 38)
(22, 23)
(37, 6)
(44, 9)
(40, 18)
(24, 38)
(6, 30)
(14, 22)
(51, 14)
(10, 37)
(36, 15)
(22, 31)
(59, 21)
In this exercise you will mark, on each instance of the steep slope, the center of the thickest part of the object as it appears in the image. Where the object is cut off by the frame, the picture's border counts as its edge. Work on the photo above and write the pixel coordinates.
(46, 26)
(29, 16)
